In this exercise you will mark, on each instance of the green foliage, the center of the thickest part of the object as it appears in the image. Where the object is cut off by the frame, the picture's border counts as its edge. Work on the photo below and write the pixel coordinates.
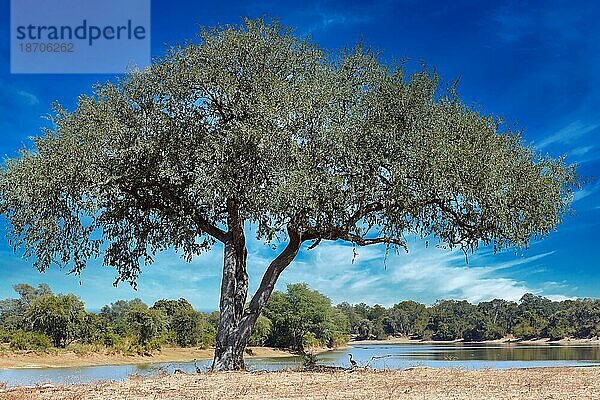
(171, 307)
(5, 336)
(257, 114)
(12, 311)
(300, 318)
(524, 330)
(408, 318)
(145, 324)
(192, 329)
(559, 326)
(29, 341)
(58, 316)
(94, 328)
(260, 333)
(116, 312)
(450, 319)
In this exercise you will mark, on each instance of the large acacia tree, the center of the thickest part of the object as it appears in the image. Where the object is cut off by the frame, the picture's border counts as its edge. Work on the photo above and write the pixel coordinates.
(255, 126)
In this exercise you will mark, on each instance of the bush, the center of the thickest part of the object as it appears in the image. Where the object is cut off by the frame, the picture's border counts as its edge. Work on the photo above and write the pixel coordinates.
(261, 331)
(30, 341)
(5, 336)
(338, 339)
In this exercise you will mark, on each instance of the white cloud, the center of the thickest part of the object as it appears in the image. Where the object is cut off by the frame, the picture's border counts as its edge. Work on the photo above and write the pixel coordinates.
(29, 98)
(559, 297)
(426, 274)
(567, 134)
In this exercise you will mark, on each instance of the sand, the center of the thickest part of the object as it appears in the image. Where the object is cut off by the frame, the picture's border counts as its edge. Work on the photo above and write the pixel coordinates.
(419, 383)
(506, 340)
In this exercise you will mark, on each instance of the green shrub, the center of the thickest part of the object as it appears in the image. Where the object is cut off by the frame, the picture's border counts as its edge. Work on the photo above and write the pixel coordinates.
(30, 341)
(338, 339)
(5, 336)
(261, 331)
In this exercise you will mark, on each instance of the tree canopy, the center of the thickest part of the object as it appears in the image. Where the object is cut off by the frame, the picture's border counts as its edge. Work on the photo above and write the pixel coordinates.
(255, 125)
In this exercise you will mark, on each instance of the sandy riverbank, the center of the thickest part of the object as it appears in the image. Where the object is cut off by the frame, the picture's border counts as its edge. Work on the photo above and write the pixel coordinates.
(506, 340)
(65, 358)
(418, 383)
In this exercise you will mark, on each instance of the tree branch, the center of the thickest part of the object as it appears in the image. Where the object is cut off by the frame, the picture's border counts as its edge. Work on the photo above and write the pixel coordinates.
(267, 284)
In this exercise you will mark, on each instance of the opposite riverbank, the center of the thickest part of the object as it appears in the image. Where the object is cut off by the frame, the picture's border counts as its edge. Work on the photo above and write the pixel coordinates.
(417, 383)
(505, 340)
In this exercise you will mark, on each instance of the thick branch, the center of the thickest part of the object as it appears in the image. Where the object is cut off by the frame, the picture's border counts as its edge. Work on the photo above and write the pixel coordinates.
(260, 298)
(204, 225)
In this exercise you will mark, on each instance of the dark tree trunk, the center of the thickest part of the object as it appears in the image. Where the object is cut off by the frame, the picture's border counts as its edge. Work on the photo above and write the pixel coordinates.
(231, 341)
(236, 322)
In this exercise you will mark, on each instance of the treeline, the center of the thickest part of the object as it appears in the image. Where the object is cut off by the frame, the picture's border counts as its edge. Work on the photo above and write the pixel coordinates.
(531, 317)
(38, 319)
(300, 317)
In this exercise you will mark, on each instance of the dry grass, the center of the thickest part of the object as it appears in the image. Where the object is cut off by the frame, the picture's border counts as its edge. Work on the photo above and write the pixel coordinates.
(418, 383)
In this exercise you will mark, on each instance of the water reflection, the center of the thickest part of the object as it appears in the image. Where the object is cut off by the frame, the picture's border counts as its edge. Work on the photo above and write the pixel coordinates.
(386, 356)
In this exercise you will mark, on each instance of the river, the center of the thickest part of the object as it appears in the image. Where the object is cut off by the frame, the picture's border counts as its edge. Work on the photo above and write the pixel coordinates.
(377, 356)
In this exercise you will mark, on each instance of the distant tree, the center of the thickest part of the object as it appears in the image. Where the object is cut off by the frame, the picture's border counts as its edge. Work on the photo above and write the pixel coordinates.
(145, 324)
(261, 332)
(58, 316)
(117, 311)
(28, 293)
(409, 318)
(559, 326)
(191, 328)
(351, 315)
(533, 316)
(171, 307)
(254, 125)
(501, 314)
(524, 330)
(94, 328)
(585, 316)
(12, 311)
(365, 329)
(297, 315)
(450, 319)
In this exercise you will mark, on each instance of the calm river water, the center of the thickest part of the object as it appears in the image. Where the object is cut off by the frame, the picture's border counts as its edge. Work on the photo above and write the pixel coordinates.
(377, 356)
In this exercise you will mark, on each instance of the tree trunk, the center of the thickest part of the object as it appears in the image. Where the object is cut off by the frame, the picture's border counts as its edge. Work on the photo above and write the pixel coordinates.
(236, 323)
(231, 340)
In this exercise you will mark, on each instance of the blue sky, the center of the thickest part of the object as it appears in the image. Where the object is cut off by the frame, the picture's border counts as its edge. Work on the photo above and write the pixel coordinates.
(534, 62)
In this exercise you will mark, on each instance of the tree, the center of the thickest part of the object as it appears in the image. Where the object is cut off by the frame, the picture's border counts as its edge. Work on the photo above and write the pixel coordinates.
(297, 315)
(501, 313)
(172, 307)
(58, 316)
(145, 324)
(94, 328)
(254, 125)
(409, 318)
(191, 328)
(261, 331)
(450, 319)
(117, 312)
(12, 311)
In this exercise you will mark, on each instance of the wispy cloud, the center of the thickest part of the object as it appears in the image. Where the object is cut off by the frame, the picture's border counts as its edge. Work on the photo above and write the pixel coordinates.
(586, 192)
(27, 97)
(568, 134)
(426, 274)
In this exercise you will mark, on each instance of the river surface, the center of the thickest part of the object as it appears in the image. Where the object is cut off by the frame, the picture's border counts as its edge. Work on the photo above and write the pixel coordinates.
(377, 356)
